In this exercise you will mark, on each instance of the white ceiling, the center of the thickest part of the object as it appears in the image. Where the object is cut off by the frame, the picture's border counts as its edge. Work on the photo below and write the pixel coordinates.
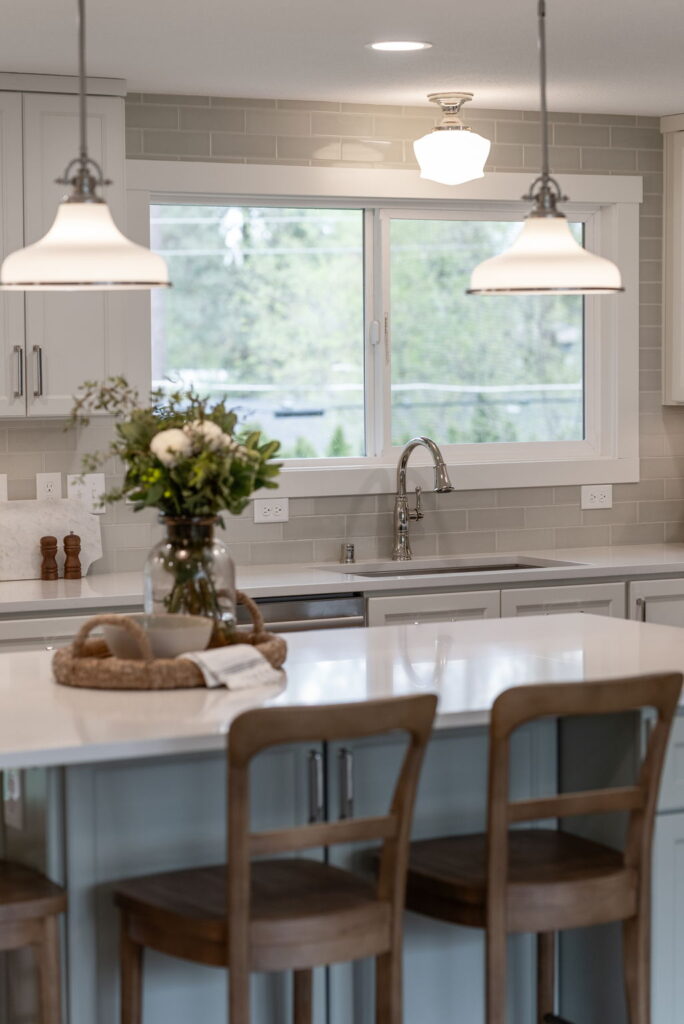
(613, 56)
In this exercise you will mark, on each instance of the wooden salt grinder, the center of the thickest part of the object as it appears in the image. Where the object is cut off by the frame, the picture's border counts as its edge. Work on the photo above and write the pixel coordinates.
(72, 563)
(48, 550)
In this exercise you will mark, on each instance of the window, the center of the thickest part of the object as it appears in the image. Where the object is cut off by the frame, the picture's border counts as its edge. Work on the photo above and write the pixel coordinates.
(339, 323)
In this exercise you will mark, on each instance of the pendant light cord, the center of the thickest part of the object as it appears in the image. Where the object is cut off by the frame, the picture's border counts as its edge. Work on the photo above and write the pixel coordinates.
(83, 127)
(541, 23)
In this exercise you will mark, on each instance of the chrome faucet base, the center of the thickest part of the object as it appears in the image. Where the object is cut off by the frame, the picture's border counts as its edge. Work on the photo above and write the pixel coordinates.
(401, 551)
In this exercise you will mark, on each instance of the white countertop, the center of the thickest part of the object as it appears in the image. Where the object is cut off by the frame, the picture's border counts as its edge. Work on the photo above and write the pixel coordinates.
(467, 664)
(28, 597)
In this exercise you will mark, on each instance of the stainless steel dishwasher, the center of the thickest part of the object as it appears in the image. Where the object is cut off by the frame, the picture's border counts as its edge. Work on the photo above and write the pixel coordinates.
(320, 611)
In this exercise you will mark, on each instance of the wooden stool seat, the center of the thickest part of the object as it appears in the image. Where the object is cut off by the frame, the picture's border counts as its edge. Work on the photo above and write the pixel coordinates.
(554, 878)
(303, 913)
(25, 894)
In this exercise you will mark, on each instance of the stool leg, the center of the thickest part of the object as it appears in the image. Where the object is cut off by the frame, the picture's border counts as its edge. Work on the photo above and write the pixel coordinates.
(302, 997)
(546, 969)
(388, 994)
(131, 955)
(49, 969)
(495, 944)
(636, 961)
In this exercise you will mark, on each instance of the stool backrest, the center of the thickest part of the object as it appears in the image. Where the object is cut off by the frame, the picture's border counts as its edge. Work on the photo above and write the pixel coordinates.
(261, 728)
(522, 704)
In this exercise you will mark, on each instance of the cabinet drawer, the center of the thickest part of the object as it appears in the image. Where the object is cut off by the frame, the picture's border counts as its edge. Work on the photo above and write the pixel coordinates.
(451, 607)
(672, 783)
(592, 598)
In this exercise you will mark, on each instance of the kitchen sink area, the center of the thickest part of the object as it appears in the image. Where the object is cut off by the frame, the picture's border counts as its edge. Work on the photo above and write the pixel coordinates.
(432, 567)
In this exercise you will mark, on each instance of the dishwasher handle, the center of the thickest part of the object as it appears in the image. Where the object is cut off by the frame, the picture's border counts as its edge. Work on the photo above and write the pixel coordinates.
(333, 622)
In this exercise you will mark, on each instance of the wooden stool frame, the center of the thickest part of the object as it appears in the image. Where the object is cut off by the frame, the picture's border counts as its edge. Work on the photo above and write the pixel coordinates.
(255, 731)
(515, 708)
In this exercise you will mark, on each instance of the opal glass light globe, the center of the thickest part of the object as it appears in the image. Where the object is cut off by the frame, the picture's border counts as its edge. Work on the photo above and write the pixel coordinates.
(545, 258)
(451, 156)
(83, 249)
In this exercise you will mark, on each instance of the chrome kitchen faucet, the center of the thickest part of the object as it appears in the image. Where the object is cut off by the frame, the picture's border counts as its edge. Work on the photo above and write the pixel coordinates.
(401, 551)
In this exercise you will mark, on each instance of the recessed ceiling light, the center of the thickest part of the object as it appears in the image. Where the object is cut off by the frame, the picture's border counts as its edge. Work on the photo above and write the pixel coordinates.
(399, 45)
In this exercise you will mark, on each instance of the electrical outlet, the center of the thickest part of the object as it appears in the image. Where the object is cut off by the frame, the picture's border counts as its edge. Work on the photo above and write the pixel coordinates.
(3, 486)
(13, 798)
(48, 486)
(271, 510)
(597, 496)
(88, 490)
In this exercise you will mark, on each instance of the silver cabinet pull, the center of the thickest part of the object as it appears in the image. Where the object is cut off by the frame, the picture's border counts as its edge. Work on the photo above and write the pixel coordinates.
(641, 608)
(38, 353)
(19, 353)
(346, 779)
(315, 787)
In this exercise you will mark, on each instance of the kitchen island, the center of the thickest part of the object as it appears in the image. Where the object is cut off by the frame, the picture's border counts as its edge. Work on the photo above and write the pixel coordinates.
(135, 783)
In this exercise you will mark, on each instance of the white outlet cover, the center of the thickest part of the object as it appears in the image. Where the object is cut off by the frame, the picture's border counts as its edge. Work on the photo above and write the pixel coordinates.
(3, 486)
(271, 510)
(48, 486)
(596, 496)
(87, 489)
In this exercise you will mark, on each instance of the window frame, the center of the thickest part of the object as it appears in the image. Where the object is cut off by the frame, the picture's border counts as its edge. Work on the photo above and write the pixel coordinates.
(608, 205)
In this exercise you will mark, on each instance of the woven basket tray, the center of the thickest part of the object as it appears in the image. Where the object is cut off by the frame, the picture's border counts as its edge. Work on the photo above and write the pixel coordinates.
(88, 662)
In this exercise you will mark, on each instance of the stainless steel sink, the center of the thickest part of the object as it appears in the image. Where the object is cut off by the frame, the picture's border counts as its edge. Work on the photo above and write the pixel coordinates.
(452, 568)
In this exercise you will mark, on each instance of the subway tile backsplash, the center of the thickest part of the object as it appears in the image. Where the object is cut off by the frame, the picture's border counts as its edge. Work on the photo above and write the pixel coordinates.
(466, 522)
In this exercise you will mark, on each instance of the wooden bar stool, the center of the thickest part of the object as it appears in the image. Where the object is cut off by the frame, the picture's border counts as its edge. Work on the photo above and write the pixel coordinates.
(289, 913)
(29, 907)
(542, 880)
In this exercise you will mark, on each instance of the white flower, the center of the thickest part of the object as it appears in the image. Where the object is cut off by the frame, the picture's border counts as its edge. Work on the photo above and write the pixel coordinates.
(170, 446)
(207, 431)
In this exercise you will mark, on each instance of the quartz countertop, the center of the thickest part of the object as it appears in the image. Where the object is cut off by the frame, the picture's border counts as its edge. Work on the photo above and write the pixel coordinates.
(467, 664)
(98, 591)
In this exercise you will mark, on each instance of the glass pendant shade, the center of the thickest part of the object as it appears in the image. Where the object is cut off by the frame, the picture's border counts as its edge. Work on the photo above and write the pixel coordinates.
(451, 156)
(83, 249)
(545, 258)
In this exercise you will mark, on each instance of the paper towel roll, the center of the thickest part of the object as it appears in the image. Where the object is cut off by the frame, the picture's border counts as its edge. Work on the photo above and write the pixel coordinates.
(23, 523)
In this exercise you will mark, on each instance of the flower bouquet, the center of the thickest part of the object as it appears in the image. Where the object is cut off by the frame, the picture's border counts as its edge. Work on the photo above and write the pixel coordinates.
(184, 456)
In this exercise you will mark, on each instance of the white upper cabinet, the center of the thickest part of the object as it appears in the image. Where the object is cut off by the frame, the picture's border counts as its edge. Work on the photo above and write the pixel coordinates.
(672, 127)
(51, 341)
(12, 361)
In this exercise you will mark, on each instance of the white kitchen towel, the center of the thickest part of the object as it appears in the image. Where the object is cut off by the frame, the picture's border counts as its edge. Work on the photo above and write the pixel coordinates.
(236, 666)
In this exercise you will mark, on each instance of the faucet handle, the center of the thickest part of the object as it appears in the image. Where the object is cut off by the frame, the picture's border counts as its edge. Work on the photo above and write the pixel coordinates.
(418, 512)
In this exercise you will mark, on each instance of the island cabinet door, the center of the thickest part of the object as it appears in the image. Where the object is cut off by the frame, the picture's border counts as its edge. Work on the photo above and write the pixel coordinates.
(397, 609)
(667, 953)
(659, 601)
(443, 964)
(139, 817)
(591, 598)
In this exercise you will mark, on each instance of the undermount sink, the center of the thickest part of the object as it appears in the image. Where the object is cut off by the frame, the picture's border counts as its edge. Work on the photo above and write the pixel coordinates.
(453, 568)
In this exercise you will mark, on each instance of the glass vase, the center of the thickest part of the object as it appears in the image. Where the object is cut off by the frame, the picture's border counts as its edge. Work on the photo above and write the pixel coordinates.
(191, 572)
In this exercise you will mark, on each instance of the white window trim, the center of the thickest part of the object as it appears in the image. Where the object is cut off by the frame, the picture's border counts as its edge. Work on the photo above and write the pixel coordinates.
(608, 204)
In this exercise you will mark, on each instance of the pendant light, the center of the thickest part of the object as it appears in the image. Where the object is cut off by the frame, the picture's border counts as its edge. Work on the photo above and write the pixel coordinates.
(83, 249)
(545, 258)
(452, 152)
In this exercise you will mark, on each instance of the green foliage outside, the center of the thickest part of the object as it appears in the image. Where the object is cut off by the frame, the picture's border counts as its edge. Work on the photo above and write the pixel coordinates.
(267, 307)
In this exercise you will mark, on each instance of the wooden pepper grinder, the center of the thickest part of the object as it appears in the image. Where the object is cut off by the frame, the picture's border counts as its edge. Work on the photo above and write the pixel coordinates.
(72, 563)
(48, 550)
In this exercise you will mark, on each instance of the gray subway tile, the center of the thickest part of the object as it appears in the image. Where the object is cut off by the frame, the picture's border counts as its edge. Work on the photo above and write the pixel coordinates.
(525, 496)
(171, 98)
(370, 151)
(311, 527)
(278, 122)
(641, 533)
(582, 536)
(133, 142)
(151, 116)
(211, 119)
(471, 543)
(242, 145)
(636, 138)
(341, 124)
(496, 518)
(581, 135)
(307, 105)
(309, 149)
(294, 551)
(553, 515)
(178, 143)
(241, 101)
(524, 540)
(609, 159)
(517, 131)
(621, 512)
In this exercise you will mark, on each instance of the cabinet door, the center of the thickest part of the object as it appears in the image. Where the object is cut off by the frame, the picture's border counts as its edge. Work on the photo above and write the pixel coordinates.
(12, 377)
(592, 598)
(659, 601)
(443, 964)
(667, 949)
(398, 609)
(70, 336)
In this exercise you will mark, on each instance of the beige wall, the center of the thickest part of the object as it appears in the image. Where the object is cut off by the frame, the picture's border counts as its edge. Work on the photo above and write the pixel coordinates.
(338, 134)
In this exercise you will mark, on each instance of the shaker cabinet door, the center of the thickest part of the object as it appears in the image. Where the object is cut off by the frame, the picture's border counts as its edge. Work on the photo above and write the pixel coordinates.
(12, 366)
